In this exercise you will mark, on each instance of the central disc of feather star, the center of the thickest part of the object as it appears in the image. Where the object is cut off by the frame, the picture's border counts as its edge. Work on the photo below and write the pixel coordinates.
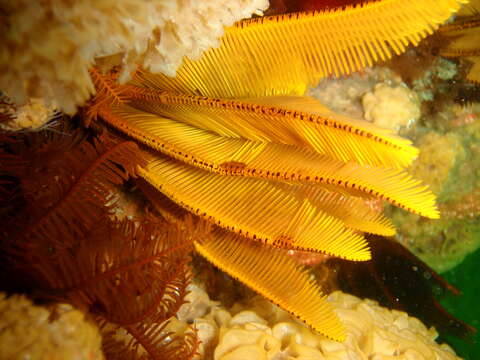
(234, 141)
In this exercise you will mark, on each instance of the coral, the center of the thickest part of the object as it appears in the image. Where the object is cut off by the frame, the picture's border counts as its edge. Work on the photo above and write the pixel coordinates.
(260, 330)
(431, 80)
(55, 333)
(447, 137)
(344, 95)
(434, 166)
(376, 94)
(198, 304)
(32, 116)
(48, 47)
(394, 276)
(391, 107)
(443, 244)
(448, 162)
(467, 206)
(464, 115)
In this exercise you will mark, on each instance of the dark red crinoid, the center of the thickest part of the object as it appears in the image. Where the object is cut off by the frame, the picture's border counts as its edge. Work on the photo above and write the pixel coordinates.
(288, 6)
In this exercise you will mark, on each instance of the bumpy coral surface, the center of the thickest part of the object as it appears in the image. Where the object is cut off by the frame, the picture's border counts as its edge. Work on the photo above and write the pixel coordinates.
(447, 135)
(34, 115)
(344, 95)
(260, 330)
(391, 107)
(449, 163)
(46, 48)
(377, 95)
(33, 332)
(437, 158)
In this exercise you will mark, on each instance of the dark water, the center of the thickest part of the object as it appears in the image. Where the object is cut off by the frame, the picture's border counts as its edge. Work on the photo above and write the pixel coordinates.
(466, 276)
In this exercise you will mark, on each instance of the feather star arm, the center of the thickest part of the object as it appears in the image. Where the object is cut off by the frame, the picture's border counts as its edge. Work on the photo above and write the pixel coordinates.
(286, 54)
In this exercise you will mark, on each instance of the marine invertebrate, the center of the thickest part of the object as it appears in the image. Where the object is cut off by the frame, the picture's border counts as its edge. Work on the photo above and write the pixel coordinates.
(471, 8)
(391, 107)
(35, 332)
(394, 276)
(466, 207)
(307, 48)
(453, 175)
(234, 126)
(259, 330)
(61, 239)
(344, 95)
(291, 6)
(399, 280)
(48, 47)
(462, 39)
(32, 116)
(432, 166)
(289, 151)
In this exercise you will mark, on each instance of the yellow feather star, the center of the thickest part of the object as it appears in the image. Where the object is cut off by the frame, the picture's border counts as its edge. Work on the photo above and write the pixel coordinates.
(235, 142)
(463, 41)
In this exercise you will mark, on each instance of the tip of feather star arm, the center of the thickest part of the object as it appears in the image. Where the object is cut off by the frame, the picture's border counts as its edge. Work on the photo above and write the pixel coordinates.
(274, 275)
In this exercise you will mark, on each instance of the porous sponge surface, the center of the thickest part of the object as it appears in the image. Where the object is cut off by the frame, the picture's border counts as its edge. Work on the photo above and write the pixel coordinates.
(34, 332)
(47, 47)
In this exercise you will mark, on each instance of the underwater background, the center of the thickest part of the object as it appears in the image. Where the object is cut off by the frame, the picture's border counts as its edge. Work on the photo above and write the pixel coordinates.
(463, 276)
(240, 179)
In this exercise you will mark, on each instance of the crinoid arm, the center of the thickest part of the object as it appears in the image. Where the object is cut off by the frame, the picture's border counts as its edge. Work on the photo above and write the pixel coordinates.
(276, 276)
(462, 40)
(286, 54)
(281, 215)
(292, 120)
(237, 156)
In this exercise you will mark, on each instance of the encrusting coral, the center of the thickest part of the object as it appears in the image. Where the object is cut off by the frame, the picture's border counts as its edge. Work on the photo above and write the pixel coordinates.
(47, 47)
(32, 116)
(257, 329)
(435, 166)
(453, 174)
(376, 94)
(56, 333)
(391, 107)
